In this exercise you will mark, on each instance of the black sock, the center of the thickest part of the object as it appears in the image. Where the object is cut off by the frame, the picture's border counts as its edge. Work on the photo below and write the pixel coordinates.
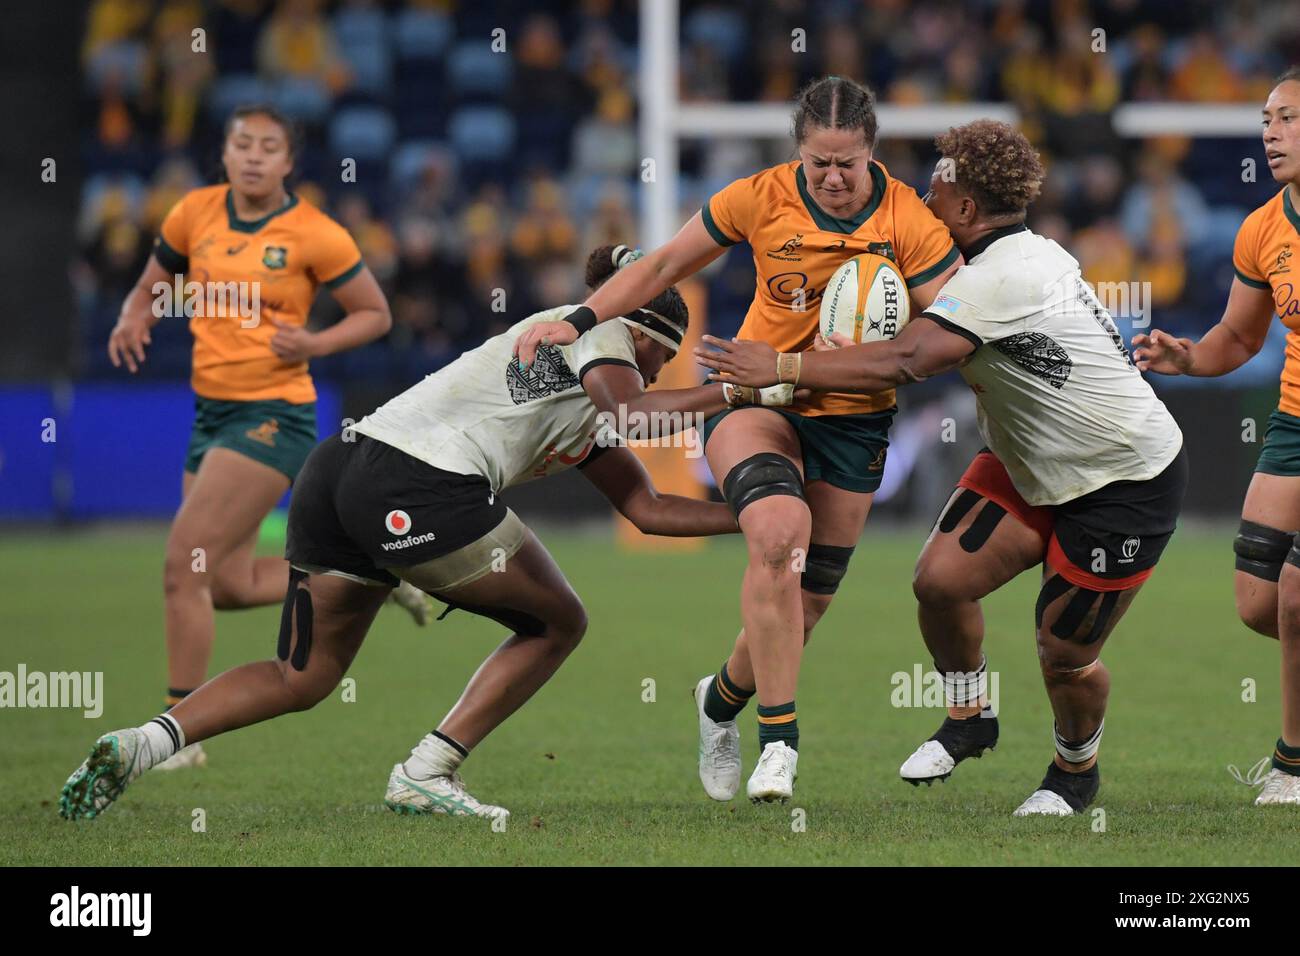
(1286, 759)
(725, 698)
(1076, 789)
(174, 697)
(778, 723)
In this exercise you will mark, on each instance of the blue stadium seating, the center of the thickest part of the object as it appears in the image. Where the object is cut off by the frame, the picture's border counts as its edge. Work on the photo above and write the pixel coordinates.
(306, 100)
(234, 90)
(723, 30)
(363, 133)
(363, 39)
(408, 162)
(422, 34)
(474, 71)
(124, 62)
(482, 133)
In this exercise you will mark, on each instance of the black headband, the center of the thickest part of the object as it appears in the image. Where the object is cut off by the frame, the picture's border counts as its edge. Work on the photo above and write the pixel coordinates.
(657, 327)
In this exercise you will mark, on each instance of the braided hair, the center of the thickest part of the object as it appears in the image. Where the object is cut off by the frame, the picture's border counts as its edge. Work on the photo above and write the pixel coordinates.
(834, 102)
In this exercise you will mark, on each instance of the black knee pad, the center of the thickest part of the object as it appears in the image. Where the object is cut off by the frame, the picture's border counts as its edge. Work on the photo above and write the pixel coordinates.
(1066, 627)
(1261, 550)
(761, 476)
(517, 621)
(825, 568)
(297, 607)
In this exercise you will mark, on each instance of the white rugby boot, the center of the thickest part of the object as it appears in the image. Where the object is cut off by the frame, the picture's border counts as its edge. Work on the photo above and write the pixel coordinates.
(719, 749)
(1044, 803)
(441, 794)
(116, 759)
(773, 779)
(1279, 787)
(1061, 794)
(191, 755)
(953, 742)
(413, 601)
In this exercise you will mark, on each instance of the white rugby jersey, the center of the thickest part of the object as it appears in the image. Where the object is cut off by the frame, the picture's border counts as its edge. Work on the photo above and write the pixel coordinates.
(1060, 401)
(483, 415)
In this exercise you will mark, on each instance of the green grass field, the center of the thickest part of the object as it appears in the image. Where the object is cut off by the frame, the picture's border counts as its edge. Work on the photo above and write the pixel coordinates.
(595, 775)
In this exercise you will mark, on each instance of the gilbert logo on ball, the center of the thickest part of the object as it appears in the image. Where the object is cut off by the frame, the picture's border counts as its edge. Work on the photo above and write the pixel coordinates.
(866, 300)
(398, 522)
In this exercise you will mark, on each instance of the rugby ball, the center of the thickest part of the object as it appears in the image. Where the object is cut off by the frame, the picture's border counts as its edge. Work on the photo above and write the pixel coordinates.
(866, 300)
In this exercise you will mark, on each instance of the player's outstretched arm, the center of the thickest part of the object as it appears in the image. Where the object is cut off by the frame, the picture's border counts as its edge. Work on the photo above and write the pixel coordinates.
(619, 476)
(614, 387)
(922, 350)
(366, 318)
(629, 288)
(617, 391)
(127, 341)
(1237, 338)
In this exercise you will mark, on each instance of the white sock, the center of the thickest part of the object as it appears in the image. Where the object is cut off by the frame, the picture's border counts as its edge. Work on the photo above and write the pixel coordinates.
(165, 737)
(433, 757)
(1078, 751)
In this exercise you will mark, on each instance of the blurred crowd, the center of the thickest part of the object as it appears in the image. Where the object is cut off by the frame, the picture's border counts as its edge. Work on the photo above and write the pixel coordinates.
(480, 170)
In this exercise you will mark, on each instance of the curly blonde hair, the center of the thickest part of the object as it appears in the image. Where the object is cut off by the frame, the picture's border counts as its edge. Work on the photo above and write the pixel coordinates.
(995, 164)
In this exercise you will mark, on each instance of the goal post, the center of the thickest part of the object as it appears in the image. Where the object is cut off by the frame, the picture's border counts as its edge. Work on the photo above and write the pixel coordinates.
(665, 121)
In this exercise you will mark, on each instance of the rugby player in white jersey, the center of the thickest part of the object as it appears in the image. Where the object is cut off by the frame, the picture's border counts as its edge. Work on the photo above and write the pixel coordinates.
(413, 496)
(1084, 473)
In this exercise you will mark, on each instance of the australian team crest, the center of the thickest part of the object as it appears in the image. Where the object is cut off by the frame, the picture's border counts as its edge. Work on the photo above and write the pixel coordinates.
(273, 257)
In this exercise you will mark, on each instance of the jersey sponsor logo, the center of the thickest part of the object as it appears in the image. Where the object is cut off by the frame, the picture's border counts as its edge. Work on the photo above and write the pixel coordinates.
(787, 287)
(411, 542)
(837, 246)
(786, 251)
(1038, 354)
(265, 433)
(1286, 301)
(548, 375)
(236, 249)
(1130, 549)
(397, 522)
(274, 257)
(1283, 263)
